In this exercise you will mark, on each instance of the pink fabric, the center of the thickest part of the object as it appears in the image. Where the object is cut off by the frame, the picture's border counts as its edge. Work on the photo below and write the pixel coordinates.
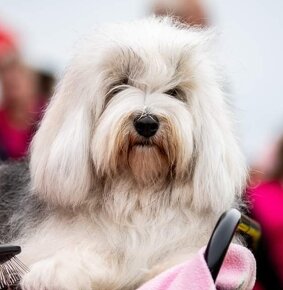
(237, 272)
(267, 200)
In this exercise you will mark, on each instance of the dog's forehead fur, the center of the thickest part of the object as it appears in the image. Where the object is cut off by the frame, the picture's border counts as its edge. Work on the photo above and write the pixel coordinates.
(156, 47)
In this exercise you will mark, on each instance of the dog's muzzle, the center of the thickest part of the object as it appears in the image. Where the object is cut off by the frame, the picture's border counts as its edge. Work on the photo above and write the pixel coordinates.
(146, 125)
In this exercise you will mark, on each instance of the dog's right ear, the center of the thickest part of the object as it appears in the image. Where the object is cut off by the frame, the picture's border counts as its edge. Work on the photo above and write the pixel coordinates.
(61, 167)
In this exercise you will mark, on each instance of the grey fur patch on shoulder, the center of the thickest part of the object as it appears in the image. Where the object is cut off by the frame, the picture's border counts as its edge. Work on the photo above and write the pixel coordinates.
(19, 208)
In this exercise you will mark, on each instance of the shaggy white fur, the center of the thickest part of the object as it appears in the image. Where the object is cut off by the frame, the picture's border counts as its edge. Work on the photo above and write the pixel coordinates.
(126, 207)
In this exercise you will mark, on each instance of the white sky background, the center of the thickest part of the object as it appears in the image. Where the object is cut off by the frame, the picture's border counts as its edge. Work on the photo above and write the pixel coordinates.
(251, 47)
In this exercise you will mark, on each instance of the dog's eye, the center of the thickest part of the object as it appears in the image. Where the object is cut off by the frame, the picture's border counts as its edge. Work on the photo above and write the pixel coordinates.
(172, 92)
(115, 89)
(119, 86)
(176, 93)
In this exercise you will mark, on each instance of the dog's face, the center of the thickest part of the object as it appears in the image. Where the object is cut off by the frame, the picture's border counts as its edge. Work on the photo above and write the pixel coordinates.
(141, 102)
(145, 129)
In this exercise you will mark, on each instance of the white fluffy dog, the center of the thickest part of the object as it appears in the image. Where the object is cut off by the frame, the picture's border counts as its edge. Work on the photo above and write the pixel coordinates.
(133, 163)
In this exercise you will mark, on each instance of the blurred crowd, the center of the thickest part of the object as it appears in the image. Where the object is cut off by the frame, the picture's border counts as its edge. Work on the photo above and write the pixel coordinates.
(24, 93)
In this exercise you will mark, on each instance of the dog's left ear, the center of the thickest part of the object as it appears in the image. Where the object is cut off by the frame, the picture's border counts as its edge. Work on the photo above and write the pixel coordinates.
(220, 170)
(61, 168)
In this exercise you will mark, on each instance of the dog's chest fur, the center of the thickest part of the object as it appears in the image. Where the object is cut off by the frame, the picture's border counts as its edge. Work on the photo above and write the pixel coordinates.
(122, 244)
(122, 255)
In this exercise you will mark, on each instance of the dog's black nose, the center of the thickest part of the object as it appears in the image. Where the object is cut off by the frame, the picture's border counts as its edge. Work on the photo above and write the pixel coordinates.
(146, 125)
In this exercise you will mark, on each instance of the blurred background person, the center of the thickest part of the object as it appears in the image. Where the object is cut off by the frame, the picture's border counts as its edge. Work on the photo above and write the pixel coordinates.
(266, 198)
(22, 100)
(191, 12)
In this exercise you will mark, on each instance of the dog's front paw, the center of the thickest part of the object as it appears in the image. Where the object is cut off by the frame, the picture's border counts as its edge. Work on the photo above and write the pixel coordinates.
(53, 274)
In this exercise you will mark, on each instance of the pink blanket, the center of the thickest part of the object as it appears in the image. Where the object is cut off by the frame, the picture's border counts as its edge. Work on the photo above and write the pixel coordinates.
(237, 272)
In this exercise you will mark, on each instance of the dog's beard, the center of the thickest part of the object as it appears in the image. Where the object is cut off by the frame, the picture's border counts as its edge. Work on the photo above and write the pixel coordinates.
(150, 161)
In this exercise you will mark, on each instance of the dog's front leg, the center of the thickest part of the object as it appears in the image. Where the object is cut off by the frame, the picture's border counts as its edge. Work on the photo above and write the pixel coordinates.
(66, 270)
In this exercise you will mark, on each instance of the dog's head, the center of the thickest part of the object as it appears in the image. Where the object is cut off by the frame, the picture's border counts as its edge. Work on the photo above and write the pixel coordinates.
(140, 101)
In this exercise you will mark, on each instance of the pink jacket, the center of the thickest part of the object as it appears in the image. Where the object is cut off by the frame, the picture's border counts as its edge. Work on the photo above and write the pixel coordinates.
(267, 208)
